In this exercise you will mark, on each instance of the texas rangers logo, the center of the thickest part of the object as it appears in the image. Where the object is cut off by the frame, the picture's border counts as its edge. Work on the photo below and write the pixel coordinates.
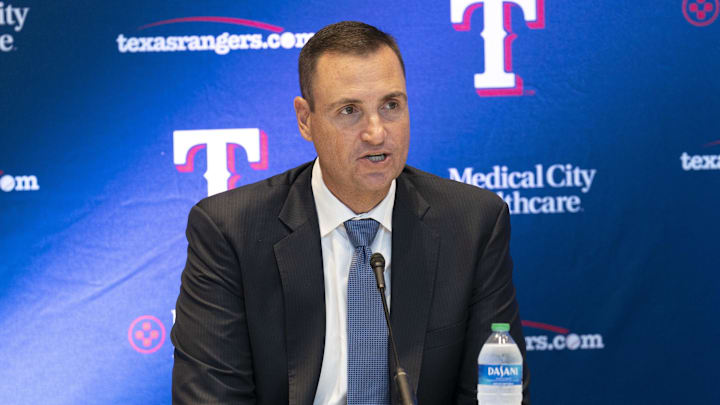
(498, 79)
(220, 146)
(700, 13)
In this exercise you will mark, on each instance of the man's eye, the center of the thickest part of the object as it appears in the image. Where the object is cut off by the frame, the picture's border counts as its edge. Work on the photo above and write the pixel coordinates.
(391, 105)
(347, 110)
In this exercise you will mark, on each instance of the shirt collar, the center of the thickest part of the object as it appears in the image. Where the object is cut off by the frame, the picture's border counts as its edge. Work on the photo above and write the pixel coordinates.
(333, 213)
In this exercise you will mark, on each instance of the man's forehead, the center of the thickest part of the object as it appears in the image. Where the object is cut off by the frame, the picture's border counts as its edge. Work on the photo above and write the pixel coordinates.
(341, 74)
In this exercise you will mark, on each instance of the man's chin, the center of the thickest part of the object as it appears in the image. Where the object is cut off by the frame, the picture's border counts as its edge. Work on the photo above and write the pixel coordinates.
(377, 185)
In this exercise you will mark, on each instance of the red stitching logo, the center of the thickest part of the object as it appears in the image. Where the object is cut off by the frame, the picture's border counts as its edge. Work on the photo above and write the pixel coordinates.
(700, 13)
(146, 334)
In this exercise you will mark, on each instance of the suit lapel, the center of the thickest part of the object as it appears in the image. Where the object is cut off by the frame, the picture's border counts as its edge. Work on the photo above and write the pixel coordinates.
(299, 260)
(414, 263)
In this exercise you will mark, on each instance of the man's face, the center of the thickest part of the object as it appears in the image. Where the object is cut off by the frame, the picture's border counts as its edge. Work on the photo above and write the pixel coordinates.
(361, 125)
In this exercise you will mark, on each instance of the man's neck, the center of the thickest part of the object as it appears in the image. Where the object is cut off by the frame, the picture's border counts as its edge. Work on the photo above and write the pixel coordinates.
(359, 203)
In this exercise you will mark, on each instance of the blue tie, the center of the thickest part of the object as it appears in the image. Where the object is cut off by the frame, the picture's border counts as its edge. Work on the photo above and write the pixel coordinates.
(367, 335)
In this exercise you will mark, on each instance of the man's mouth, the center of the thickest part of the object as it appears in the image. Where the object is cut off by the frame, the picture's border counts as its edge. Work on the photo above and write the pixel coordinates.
(376, 158)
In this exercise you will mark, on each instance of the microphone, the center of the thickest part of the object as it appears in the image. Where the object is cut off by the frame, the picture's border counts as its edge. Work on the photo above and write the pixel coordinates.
(377, 262)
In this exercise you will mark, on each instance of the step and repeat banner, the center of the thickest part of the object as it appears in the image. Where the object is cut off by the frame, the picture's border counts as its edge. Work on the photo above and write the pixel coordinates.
(598, 122)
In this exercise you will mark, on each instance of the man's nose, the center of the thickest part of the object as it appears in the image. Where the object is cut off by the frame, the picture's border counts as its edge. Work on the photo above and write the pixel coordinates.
(374, 133)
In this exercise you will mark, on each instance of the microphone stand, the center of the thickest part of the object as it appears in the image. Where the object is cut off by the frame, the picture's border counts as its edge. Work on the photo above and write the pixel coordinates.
(377, 262)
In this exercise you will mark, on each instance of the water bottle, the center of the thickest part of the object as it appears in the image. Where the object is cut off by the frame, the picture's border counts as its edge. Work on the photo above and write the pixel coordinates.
(500, 369)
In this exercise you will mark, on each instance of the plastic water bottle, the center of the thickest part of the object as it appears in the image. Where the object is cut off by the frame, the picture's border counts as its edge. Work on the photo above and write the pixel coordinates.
(500, 369)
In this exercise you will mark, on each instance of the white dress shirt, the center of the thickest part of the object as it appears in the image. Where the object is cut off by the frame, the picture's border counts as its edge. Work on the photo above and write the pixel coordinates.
(337, 254)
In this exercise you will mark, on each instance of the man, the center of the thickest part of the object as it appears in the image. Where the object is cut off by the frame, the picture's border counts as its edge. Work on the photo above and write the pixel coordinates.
(272, 308)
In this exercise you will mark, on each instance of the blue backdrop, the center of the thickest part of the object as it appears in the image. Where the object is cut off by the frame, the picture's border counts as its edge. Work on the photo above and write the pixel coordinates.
(596, 121)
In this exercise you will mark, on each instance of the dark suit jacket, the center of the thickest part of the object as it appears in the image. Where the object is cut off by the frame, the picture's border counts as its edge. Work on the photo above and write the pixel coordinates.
(250, 320)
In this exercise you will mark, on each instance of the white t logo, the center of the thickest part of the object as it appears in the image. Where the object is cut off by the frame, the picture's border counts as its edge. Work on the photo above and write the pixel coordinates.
(498, 78)
(221, 174)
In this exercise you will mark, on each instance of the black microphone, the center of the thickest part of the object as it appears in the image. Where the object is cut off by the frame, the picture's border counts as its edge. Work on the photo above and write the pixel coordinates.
(377, 262)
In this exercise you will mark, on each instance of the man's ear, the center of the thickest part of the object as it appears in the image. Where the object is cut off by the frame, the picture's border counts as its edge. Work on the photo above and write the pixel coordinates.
(302, 112)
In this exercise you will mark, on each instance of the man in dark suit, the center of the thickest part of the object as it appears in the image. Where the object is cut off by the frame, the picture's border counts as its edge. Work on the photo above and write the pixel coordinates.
(265, 288)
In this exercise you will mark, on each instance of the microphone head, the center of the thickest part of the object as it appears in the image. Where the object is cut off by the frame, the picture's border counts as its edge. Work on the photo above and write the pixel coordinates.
(377, 263)
(377, 260)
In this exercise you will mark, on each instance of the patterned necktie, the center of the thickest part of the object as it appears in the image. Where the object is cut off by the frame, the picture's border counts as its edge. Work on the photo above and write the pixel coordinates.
(367, 335)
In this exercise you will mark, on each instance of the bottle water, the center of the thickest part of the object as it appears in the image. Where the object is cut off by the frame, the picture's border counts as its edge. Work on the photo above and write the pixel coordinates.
(500, 369)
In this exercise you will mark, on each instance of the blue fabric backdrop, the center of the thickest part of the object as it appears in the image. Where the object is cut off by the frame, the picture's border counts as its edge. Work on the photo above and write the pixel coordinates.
(596, 121)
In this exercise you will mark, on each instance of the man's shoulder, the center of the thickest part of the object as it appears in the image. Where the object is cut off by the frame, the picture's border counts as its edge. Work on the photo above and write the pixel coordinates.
(438, 191)
(263, 198)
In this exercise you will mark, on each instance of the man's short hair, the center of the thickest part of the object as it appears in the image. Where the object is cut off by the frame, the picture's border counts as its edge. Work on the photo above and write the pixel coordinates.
(346, 37)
